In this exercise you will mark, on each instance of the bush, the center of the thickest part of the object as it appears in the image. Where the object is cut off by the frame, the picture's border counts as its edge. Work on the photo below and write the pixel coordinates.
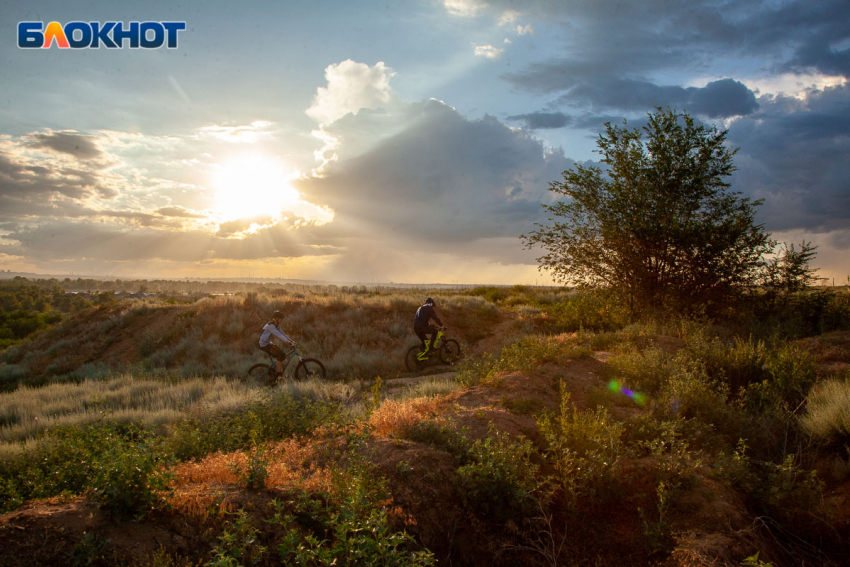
(585, 447)
(440, 435)
(117, 465)
(791, 373)
(499, 479)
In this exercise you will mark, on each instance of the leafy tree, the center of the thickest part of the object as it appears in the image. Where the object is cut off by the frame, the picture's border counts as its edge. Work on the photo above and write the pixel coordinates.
(790, 270)
(658, 225)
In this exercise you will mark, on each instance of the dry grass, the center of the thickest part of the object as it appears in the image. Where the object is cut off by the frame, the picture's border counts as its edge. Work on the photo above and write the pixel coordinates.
(394, 415)
(290, 465)
(27, 412)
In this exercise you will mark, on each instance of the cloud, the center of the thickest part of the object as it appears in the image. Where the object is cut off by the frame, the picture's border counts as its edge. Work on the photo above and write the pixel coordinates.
(793, 153)
(443, 180)
(543, 120)
(71, 143)
(462, 8)
(488, 51)
(250, 134)
(70, 240)
(179, 212)
(351, 87)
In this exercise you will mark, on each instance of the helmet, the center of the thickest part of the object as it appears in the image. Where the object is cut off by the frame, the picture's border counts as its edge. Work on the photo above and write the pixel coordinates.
(277, 315)
(429, 301)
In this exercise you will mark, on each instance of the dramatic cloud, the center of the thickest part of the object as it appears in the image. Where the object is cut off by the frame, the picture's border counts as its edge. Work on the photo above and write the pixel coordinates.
(794, 154)
(444, 180)
(352, 86)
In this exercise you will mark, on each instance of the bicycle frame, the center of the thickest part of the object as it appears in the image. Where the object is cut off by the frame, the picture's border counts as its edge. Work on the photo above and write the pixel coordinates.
(292, 354)
(436, 346)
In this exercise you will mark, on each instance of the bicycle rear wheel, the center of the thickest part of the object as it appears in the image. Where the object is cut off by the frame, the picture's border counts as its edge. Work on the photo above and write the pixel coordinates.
(450, 351)
(261, 375)
(411, 360)
(309, 368)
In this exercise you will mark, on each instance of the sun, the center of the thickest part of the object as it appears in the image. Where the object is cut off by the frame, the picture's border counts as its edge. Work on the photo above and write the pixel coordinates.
(253, 186)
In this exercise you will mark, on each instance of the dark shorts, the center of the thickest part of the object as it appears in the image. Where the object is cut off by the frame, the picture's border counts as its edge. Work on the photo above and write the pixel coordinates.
(423, 332)
(274, 351)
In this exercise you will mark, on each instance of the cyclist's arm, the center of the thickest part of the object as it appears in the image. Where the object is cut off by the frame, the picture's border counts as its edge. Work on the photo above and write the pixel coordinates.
(437, 319)
(282, 336)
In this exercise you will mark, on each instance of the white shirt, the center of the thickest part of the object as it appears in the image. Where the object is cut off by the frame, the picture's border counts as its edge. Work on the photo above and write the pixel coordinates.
(271, 329)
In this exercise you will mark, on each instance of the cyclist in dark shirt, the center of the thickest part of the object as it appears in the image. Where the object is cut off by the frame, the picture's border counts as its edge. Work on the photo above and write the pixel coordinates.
(422, 324)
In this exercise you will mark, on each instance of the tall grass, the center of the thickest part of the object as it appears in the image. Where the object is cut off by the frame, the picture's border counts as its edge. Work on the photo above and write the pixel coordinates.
(828, 412)
(27, 412)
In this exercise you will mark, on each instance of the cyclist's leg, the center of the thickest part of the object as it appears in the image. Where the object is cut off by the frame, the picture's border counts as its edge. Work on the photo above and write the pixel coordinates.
(422, 336)
(275, 352)
(434, 332)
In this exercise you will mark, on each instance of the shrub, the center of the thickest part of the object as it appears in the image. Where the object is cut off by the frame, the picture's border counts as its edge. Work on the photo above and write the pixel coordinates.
(585, 447)
(499, 479)
(792, 372)
(441, 435)
(117, 465)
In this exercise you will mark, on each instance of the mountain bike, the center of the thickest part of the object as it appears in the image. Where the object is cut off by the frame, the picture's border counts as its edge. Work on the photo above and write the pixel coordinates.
(266, 374)
(448, 351)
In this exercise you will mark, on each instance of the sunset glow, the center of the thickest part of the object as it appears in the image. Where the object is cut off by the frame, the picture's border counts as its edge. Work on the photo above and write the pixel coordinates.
(253, 186)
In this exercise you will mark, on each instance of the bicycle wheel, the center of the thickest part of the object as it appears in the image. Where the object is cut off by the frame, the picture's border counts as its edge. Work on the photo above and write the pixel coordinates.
(411, 360)
(261, 375)
(309, 368)
(450, 351)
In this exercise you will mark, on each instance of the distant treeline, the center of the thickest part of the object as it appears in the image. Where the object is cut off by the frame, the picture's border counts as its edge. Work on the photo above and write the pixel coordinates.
(179, 287)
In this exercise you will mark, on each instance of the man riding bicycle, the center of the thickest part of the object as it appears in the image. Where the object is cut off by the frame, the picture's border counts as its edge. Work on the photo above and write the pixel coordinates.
(270, 330)
(422, 326)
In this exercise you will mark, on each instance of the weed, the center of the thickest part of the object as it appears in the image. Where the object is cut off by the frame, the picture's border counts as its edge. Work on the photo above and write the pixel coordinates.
(88, 551)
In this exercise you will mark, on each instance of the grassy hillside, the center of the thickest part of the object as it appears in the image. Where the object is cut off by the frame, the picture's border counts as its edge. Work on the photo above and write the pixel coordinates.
(568, 436)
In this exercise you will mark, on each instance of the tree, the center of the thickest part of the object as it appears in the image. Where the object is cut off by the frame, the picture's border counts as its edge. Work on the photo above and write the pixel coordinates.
(790, 271)
(659, 225)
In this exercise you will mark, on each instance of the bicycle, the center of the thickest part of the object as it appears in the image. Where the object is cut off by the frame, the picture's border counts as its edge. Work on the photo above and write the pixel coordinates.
(448, 350)
(265, 373)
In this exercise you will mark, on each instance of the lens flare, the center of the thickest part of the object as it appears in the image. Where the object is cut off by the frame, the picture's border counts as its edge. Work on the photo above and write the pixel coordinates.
(636, 397)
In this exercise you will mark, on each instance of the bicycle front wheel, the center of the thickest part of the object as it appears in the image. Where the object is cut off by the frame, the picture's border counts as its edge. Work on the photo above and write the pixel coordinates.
(411, 359)
(261, 375)
(450, 351)
(309, 368)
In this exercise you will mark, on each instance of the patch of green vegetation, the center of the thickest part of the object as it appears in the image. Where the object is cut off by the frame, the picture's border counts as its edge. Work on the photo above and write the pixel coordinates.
(522, 406)
(500, 479)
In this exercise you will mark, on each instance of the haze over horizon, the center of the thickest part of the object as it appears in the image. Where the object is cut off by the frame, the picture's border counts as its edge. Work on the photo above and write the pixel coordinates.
(405, 142)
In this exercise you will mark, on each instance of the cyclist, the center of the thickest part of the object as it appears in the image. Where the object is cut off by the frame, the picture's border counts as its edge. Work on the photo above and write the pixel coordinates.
(272, 329)
(422, 326)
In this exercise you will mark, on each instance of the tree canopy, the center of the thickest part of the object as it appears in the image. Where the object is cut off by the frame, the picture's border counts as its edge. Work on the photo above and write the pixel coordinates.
(658, 225)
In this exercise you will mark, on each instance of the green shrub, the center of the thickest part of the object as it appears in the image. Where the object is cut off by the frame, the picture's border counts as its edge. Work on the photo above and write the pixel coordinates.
(791, 373)
(275, 418)
(584, 446)
(238, 544)
(441, 435)
(499, 479)
(791, 495)
(347, 528)
(118, 466)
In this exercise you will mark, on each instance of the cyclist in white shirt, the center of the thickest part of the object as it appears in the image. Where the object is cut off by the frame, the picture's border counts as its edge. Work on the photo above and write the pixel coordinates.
(270, 330)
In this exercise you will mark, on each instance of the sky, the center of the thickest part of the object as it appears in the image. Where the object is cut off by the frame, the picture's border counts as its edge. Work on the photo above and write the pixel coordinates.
(409, 141)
